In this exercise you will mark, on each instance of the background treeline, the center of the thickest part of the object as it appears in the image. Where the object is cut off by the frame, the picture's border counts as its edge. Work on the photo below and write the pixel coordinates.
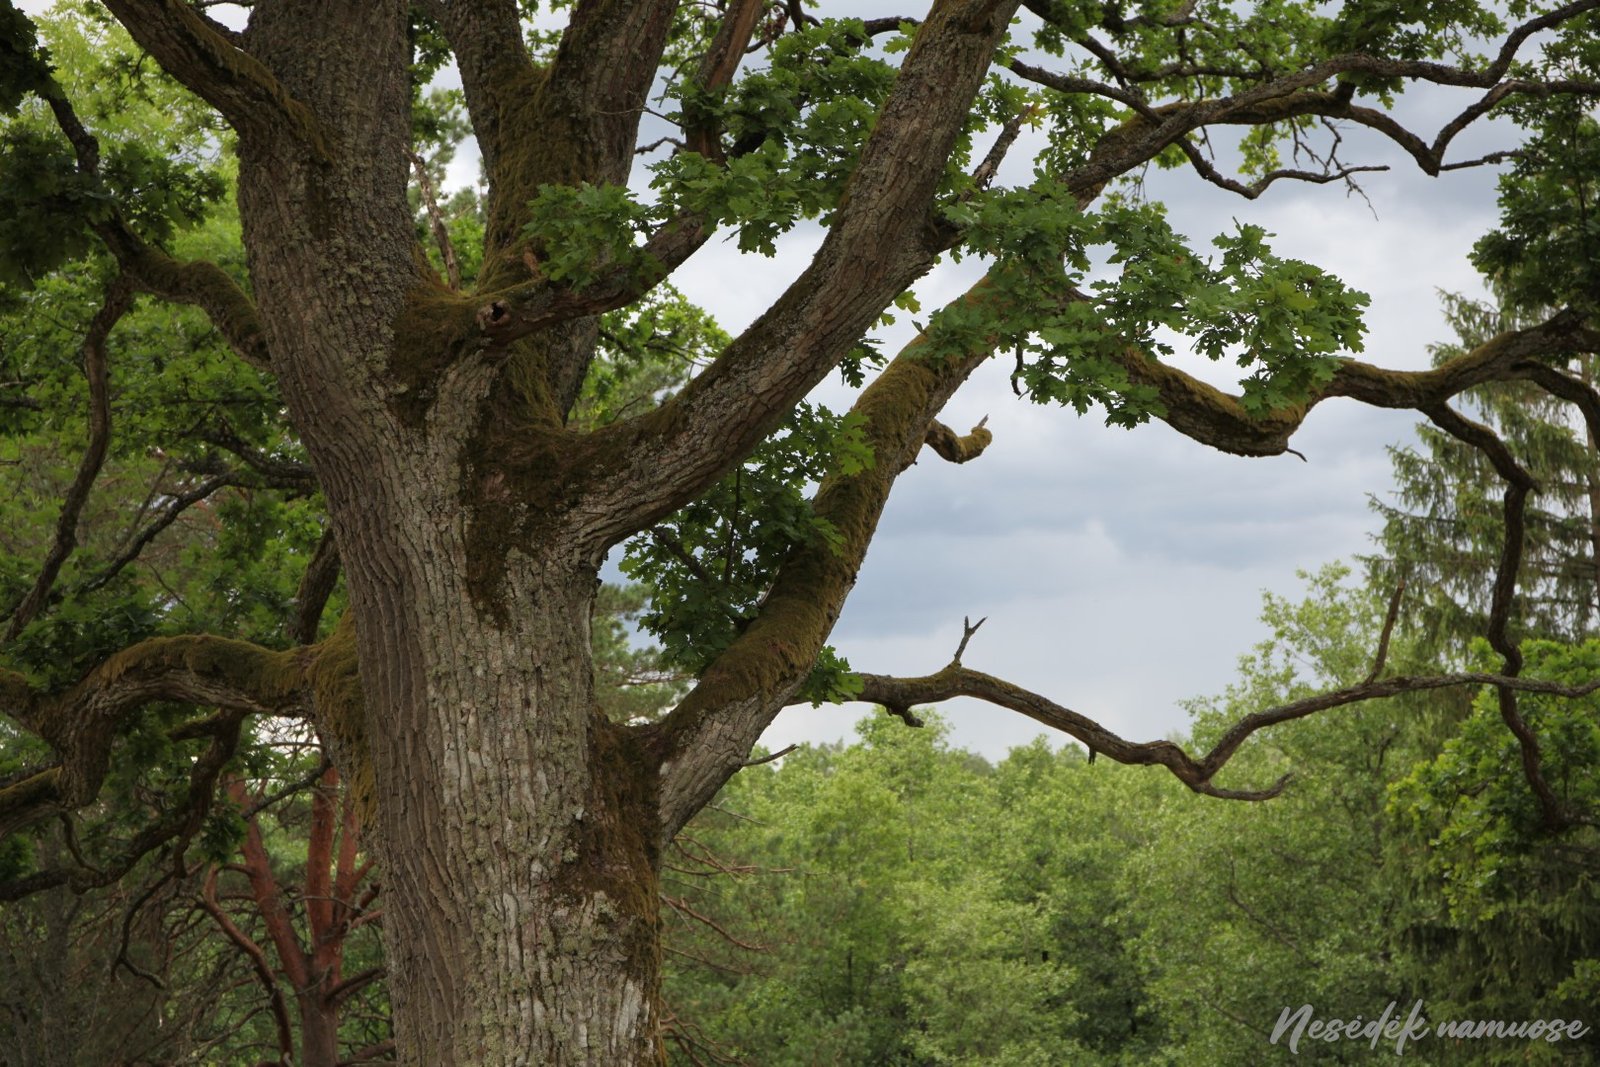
(916, 905)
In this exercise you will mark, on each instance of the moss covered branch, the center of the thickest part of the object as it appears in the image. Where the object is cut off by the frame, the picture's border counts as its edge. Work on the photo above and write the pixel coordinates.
(958, 448)
(1219, 419)
(82, 723)
(709, 735)
(208, 60)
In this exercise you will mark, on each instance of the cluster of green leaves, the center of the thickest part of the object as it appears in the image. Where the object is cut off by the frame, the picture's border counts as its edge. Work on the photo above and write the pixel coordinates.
(915, 905)
(48, 205)
(1284, 319)
(793, 128)
(710, 564)
(1546, 251)
(230, 563)
(1177, 50)
(797, 126)
(1507, 899)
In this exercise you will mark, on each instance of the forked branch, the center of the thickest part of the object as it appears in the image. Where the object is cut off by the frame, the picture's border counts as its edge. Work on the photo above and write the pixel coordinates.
(1195, 772)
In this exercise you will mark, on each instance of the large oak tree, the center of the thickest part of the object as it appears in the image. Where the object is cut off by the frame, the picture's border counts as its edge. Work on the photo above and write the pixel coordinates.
(520, 829)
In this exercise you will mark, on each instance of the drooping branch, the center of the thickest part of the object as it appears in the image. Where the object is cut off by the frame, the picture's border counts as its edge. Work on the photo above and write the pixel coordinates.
(82, 723)
(176, 825)
(197, 283)
(1519, 484)
(117, 303)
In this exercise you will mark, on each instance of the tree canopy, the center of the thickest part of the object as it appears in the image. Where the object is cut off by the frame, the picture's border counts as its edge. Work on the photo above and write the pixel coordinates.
(298, 434)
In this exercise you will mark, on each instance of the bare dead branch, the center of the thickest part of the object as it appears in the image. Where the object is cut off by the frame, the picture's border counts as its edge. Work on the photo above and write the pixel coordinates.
(968, 628)
(990, 166)
(441, 233)
(260, 966)
(1196, 773)
(1389, 617)
(176, 505)
(1209, 172)
(782, 752)
(684, 908)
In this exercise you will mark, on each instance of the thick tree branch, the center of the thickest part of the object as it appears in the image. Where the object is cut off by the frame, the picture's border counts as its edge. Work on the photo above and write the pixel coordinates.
(883, 239)
(1220, 420)
(197, 52)
(717, 67)
(197, 283)
(82, 723)
(514, 313)
(708, 736)
(584, 109)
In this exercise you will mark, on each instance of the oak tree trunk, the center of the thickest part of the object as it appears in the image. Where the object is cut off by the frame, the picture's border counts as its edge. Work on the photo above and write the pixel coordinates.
(516, 837)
